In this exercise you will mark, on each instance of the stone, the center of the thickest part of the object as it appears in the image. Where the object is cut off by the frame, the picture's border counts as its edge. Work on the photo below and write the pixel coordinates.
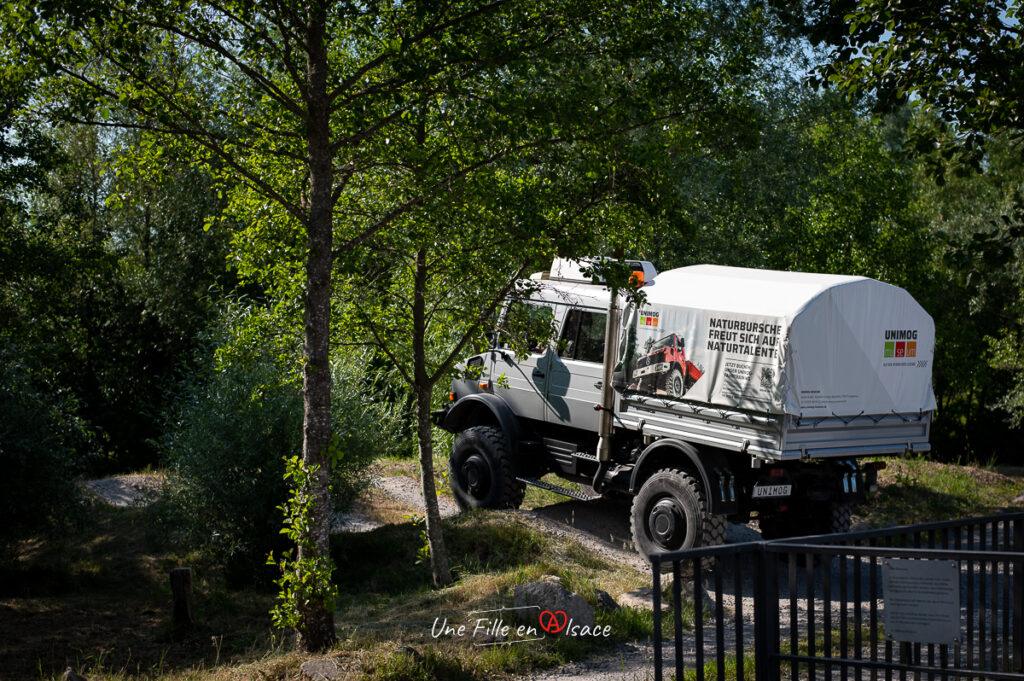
(604, 601)
(554, 597)
(325, 669)
(70, 675)
(554, 579)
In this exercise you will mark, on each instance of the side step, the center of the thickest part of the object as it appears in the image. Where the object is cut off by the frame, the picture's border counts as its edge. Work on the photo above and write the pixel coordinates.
(580, 496)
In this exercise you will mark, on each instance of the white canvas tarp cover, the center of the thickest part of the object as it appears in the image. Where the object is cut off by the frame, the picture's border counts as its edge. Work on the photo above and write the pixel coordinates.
(782, 342)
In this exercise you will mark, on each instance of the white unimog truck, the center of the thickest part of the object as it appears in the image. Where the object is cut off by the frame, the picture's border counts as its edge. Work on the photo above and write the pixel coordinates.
(729, 393)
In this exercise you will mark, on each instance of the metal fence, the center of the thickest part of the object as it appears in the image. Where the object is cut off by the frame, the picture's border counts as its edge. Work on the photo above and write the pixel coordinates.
(815, 607)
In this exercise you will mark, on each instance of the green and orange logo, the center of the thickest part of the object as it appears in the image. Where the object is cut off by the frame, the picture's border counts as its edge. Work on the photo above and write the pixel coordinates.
(898, 349)
(649, 318)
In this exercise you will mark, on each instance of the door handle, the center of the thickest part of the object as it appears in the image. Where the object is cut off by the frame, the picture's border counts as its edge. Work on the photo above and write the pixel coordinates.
(598, 384)
(537, 373)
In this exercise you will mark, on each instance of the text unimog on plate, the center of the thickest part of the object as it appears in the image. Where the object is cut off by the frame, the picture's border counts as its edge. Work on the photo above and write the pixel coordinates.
(728, 393)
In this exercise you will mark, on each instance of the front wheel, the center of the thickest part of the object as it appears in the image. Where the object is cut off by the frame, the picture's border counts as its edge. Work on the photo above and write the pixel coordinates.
(676, 383)
(482, 470)
(670, 513)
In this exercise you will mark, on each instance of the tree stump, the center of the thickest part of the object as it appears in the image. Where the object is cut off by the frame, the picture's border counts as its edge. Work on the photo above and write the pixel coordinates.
(181, 591)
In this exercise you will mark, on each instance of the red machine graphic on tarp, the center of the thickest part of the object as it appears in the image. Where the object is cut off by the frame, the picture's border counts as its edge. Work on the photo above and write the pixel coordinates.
(665, 369)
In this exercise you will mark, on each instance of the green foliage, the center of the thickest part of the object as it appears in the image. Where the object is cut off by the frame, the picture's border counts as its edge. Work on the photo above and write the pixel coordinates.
(977, 299)
(108, 276)
(226, 441)
(305, 577)
(962, 59)
(39, 438)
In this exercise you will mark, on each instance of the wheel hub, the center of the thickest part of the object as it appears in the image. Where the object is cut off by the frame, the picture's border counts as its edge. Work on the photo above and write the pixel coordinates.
(667, 523)
(476, 476)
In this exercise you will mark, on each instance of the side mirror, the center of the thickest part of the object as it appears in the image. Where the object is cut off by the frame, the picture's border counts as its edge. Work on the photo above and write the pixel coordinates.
(619, 380)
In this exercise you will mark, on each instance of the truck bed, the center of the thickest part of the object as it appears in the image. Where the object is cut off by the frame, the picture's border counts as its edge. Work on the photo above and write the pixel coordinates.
(776, 437)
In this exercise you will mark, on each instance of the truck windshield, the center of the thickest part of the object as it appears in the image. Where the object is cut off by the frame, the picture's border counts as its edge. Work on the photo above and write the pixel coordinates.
(667, 342)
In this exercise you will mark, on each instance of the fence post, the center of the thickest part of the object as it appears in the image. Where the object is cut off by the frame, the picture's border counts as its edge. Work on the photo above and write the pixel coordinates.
(766, 615)
(1018, 597)
(656, 570)
(181, 591)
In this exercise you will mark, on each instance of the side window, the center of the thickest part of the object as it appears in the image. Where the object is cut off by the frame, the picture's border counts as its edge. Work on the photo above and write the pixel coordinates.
(583, 336)
(529, 326)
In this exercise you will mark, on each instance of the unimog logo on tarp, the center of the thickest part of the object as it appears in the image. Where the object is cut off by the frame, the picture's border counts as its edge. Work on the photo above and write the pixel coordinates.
(649, 318)
(900, 343)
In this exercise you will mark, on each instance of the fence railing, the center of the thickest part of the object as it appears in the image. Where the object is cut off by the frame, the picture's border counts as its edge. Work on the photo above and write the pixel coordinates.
(816, 607)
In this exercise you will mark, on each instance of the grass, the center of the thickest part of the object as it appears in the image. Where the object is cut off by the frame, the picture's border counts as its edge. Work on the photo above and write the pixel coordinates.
(99, 601)
(916, 490)
(390, 602)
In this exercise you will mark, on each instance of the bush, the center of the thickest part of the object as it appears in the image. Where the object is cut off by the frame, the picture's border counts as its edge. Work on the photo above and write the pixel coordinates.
(39, 435)
(225, 449)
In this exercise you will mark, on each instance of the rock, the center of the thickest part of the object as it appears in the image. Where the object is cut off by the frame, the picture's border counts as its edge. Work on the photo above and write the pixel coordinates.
(326, 669)
(70, 675)
(605, 601)
(554, 579)
(555, 597)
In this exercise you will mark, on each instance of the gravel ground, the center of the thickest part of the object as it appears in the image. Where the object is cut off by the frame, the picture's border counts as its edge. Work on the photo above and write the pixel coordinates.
(138, 489)
(408, 492)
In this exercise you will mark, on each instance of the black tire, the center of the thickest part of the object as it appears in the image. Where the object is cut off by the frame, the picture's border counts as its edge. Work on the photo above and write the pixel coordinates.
(675, 384)
(840, 518)
(482, 473)
(669, 513)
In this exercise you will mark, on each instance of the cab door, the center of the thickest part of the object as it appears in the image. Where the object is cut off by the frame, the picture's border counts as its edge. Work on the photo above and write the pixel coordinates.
(523, 383)
(575, 370)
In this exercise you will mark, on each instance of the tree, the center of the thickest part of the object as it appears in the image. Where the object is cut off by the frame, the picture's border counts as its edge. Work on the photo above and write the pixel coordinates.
(537, 139)
(109, 275)
(293, 100)
(977, 227)
(964, 59)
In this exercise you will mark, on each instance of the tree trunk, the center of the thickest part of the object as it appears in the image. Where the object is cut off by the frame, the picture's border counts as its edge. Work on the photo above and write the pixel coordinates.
(423, 389)
(316, 629)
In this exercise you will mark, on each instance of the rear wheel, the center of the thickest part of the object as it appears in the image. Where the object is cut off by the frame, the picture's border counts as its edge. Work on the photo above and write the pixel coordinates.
(482, 470)
(839, 518)
(670, 513)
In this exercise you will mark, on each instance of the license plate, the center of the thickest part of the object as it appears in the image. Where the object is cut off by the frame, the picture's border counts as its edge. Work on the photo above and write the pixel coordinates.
(767, 491)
